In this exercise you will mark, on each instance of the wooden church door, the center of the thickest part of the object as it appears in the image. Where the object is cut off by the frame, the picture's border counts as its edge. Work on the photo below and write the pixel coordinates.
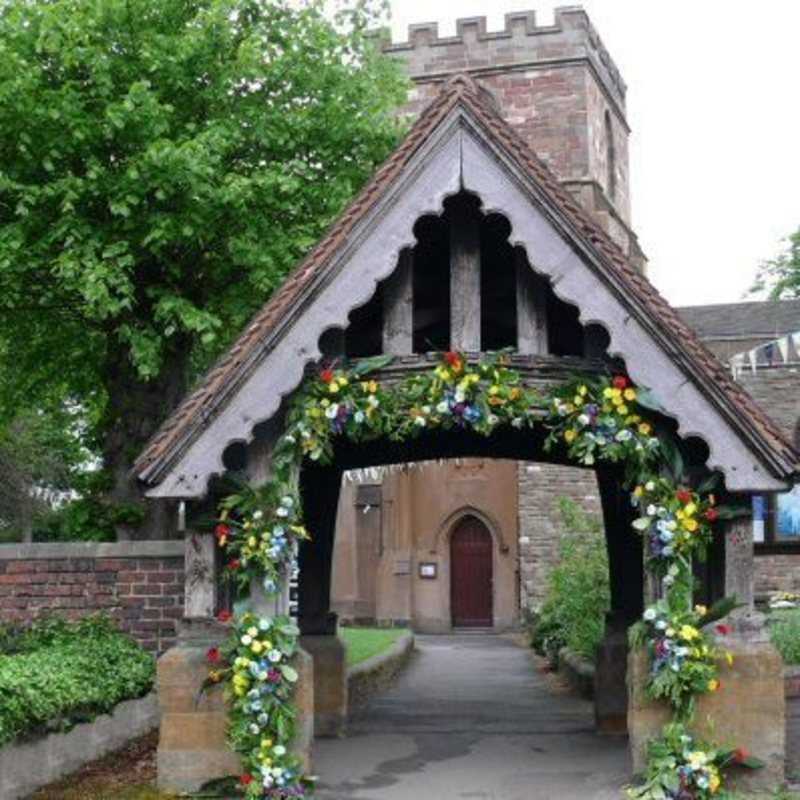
(471, 575)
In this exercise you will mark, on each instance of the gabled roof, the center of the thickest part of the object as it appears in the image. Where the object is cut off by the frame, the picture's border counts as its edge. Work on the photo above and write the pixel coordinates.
(639, 299)
(750, 320)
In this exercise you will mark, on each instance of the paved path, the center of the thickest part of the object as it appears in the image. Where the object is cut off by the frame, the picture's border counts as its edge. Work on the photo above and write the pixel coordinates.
(470, 719)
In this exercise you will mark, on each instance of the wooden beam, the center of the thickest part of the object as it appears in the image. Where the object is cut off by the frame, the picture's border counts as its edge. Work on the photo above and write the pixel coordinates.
(398, 314)
(531, 309)
(465, 281)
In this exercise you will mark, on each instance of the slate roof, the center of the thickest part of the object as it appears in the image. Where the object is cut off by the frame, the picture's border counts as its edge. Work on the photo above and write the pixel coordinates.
(188, 420)
(750, 320)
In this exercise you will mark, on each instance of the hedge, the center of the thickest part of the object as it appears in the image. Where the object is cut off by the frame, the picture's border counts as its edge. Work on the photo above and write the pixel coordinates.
(69, 673)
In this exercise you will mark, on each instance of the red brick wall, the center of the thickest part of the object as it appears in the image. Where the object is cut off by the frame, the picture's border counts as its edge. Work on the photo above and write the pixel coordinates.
(140, 584)
(777, 573)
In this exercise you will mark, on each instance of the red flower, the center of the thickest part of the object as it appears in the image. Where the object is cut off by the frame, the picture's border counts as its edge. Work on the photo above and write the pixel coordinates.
(235, 564)
(222, 530)
(740, 755)
(684, 496)
(452, 358)
(246, 780)
(620, 382)
(224, 616)
(213, 656)
(326, 375)
(712, 515)
(723, 630)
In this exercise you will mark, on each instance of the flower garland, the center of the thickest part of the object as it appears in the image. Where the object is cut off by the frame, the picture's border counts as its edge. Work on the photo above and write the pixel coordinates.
(598, 419)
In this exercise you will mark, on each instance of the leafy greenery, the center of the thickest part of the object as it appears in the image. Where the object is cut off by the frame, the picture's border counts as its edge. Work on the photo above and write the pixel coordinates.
(364, 643)
(779, 277)
(784, 629)
(163, 165)
(573, 613)
(59, 674)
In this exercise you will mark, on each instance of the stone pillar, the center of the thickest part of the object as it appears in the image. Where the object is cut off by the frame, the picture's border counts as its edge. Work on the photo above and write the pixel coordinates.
(465, 280)
(739, 565)
(330, 683)
(748, 710)
(192, 747)
(626, 582)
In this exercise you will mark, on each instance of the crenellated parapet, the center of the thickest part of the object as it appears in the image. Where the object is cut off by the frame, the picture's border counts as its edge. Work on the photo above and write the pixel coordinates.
(522, 44)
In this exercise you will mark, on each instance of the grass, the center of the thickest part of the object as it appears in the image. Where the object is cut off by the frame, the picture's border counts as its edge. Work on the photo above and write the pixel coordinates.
(784, 629)
(363, 643)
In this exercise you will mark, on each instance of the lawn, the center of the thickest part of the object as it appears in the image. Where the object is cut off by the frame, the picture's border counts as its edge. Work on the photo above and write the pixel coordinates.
(363, 643)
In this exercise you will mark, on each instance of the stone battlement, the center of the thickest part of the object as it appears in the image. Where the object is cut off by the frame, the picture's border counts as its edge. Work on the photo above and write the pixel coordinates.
(521, 44)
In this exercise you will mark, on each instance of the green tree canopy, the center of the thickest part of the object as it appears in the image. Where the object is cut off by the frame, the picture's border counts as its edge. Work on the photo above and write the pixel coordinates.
(163, 164)
(780, 277)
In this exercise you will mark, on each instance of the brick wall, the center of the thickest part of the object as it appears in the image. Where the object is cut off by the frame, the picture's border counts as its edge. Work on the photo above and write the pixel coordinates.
(541, 486)
(779, 572)
(140, 584)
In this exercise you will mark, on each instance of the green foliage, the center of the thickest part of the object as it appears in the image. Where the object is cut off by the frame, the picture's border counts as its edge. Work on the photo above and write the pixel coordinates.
(163, 165)
(784, 629)
(779, 277)
(61, 674)
(573, 613)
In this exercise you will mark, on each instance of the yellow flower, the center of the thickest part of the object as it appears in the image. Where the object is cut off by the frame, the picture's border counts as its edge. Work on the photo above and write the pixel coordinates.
(629, 394)
(714, 782)
(333, 387)
(644, 429)
(729, 658)
(617, 400)
(670, 632)
(252, 541)
(582, 391)
(570, 435)
(324, 402)
(515, 393)
(256, 647)
(701, 610)
(343, 382)
(691, 525)
(252, 631)
(638, 491)
(713, 685)
(608, 392)
(688, 632)
(493, 390)
(577, 400)
(622, 410)
(690, 509)
(373, 387)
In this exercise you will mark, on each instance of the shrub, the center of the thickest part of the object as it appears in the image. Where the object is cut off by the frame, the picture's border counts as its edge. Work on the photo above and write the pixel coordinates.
(58, 674)
(573, 613)
(784, 628)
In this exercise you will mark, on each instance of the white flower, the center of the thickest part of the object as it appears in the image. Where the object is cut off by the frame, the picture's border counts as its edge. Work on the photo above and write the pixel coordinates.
(254, 729)
(584, 419)
(264, 624)
(624, 435)
(661, 625)
(281, 511)
(279, 750)
(274, 656)
(443, 408)
(289, 439)
(650, 485)
(287, 500)
(373, 401)
(359, 417)
(668, 580)
(650, 614)
(247, 640)
(492, 419)
(419, 421)
(460, 397)
(651, 510)
(332, 410)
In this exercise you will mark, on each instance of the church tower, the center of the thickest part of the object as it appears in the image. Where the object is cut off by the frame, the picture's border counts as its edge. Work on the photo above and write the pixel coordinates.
(556, 85)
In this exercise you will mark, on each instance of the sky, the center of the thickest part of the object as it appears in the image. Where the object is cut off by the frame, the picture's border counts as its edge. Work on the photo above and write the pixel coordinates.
(714, 106)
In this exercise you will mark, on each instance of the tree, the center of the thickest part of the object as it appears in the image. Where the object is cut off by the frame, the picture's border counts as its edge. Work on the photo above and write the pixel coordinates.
(780, 276)
(163, 164)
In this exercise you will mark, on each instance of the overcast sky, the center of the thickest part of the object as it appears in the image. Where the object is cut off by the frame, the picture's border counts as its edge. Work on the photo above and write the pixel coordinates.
(714, 107)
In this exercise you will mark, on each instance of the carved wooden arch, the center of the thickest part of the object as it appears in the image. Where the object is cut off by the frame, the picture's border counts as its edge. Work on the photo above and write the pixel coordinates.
(445, 529)
(458, 157)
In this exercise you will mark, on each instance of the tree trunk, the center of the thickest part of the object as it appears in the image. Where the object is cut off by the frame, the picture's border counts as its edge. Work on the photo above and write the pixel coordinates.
(134, 411)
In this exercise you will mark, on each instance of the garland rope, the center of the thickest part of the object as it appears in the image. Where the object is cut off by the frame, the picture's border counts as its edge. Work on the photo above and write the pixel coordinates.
(595, 419)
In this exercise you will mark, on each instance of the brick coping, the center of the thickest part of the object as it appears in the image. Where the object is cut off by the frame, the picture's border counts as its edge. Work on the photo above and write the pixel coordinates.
(54, 550)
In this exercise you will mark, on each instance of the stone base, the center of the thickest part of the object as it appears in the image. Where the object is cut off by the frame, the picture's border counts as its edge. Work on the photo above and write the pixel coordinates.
(192, 746)
(748, 711)
(330, 701)
(610, 688)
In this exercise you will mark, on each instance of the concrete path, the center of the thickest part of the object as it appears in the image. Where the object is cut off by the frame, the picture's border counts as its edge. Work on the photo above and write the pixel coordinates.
(471, 719)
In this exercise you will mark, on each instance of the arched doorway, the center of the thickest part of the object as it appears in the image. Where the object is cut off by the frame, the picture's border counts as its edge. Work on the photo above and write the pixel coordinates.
(471, 594)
